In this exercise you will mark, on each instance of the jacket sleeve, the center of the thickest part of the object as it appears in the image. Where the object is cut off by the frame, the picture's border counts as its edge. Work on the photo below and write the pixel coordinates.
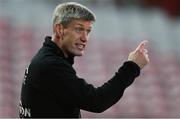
(69, 89)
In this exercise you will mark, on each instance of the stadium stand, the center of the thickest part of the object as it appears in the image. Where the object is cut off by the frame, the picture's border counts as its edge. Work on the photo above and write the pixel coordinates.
(117, 32)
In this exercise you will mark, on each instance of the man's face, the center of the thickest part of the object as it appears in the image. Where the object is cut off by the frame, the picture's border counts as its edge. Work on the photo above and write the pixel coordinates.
(75, 37)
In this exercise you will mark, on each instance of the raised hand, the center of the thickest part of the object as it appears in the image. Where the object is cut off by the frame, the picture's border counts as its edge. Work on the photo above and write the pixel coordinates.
(140, 55)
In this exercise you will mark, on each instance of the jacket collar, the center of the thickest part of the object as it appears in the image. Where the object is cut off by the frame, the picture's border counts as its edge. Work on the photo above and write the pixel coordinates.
(49, 43)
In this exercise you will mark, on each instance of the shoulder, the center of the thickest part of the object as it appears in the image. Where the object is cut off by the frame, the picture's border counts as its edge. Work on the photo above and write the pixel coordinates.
(56, 64)
(47, 62)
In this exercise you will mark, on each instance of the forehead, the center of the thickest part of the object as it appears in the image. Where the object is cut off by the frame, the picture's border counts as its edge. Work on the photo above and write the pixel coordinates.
(83, 23)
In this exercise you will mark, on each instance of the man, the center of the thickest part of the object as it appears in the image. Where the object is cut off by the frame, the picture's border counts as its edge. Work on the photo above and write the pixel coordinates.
(51, 87)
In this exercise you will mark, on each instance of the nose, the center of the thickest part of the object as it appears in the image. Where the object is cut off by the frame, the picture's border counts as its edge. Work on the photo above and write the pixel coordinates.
(84, 37)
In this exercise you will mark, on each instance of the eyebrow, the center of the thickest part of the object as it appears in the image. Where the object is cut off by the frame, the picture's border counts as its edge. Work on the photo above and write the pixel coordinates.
(83, 25)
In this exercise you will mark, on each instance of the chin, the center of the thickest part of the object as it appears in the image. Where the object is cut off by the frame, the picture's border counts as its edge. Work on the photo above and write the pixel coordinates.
(79, 54)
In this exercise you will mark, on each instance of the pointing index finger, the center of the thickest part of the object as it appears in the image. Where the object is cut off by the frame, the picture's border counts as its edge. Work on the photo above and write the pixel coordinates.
(141, 45)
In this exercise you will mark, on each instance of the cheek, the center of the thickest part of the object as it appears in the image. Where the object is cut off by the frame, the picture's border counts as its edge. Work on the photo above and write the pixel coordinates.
(68, 42)
(70, 38)
(73, 34)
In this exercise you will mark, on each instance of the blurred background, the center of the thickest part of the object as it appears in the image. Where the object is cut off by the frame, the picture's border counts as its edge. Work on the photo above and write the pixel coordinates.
(121, 25)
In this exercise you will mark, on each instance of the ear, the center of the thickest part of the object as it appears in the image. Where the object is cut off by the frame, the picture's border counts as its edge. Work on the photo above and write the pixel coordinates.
(58, 29)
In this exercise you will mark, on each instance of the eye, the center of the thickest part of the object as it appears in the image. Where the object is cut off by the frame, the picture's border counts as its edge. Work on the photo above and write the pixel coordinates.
(79, 29)
(88, 31)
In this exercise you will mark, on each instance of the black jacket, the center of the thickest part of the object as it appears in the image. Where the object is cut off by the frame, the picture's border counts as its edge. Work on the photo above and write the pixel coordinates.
(51, 87)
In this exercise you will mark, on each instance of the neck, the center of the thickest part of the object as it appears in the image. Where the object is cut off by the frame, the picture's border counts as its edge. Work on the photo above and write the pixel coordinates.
(57, 42)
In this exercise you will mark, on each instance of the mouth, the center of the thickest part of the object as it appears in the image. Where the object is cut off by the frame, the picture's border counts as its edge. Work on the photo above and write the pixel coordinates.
(80, 46)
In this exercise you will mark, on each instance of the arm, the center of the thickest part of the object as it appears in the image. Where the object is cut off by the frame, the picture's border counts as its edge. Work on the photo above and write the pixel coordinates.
(74, 91)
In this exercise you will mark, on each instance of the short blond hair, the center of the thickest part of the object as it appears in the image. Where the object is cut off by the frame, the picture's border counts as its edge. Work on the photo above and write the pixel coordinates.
(66, 12)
